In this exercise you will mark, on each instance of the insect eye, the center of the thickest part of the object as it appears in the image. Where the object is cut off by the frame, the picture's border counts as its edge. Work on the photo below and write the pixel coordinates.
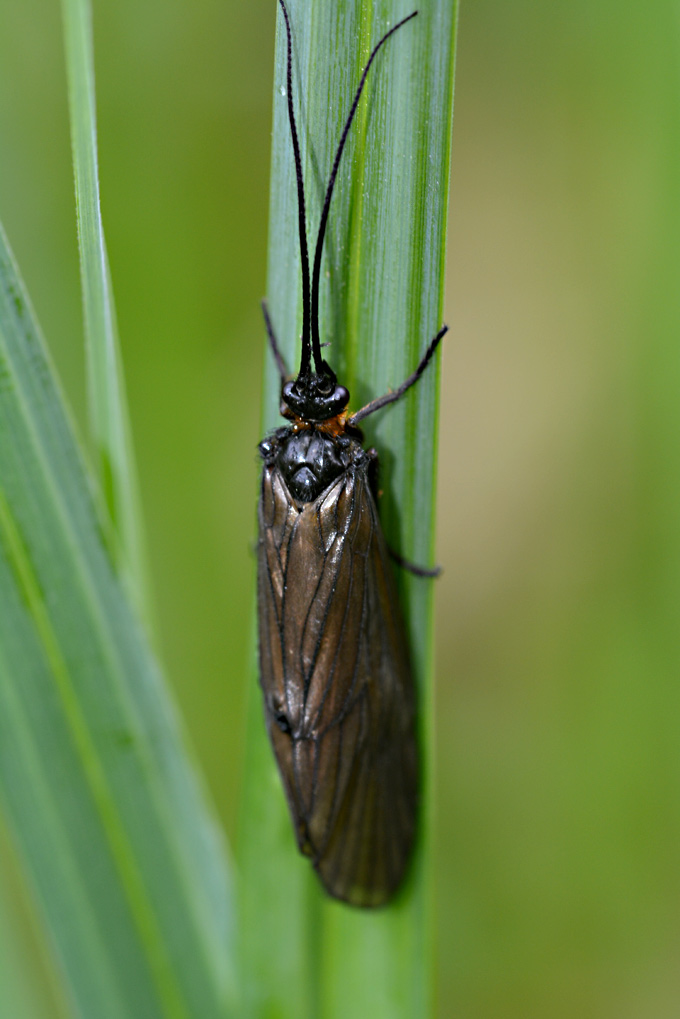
(282, 721)
(340, 397)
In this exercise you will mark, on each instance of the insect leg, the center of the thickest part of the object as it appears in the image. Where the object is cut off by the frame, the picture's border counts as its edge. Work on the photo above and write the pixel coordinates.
(417, 571)
(406, 564)
(273, 343)
(382, 401)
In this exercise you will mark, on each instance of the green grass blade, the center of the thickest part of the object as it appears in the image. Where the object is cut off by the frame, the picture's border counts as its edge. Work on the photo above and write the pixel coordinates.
(28, 975)
(107, 401)
(18, 998)
(21, 999)
(106, 812)
(381, 303)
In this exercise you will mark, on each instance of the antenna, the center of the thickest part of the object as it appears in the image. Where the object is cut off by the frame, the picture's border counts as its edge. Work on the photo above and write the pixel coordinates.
(316, 343)
(305, 356)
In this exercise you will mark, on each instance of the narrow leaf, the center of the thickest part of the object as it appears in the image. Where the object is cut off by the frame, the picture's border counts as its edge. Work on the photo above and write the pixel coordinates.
(24, 995)
(107, 401)
(381, 303)
(107, 814)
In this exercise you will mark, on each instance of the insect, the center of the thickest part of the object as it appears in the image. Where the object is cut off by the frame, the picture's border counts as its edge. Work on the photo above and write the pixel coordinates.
(338, 691)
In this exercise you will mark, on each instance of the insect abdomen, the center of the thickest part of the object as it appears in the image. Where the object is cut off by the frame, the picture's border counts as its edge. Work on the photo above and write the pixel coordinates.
(334, 670)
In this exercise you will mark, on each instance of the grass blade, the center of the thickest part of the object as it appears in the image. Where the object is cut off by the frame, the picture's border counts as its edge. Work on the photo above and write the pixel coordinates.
(381, 304)
(106, 812)
(107, 401)
(23, 996)
(18, 996)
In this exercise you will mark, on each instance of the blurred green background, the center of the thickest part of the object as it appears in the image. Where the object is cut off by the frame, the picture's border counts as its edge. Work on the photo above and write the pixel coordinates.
(558, 675)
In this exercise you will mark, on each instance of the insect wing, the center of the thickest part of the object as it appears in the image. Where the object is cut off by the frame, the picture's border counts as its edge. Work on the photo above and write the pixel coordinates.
(339, 698)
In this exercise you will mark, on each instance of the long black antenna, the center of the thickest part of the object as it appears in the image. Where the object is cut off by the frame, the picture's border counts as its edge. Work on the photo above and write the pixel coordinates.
(305, 357)
(316, 343)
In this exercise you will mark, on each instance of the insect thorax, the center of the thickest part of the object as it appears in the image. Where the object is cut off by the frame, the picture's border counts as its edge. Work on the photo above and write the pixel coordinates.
(310, 459)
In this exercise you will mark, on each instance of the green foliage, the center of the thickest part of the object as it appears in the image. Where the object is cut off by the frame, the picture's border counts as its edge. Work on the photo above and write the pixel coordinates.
(381, 303)
(108, 407)
(108, 816)
(111, 824)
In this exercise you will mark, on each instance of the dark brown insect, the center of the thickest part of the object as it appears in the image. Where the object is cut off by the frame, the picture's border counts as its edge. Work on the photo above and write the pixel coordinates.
(334, 667)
